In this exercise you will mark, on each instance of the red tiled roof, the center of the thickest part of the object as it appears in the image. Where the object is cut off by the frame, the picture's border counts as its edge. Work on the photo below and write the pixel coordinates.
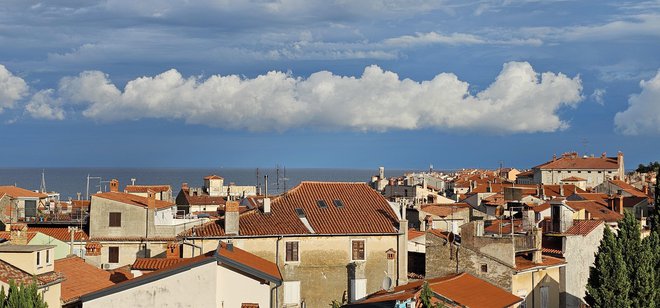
(203, 199)
(9, 272)
(593, 196)
(80, 203)
(144, 188)
(438, 233)
(554, 190)
(444, 210)
(61, 233)
(413, 234)
(459, 288)
(596, 210)
(17, 192)
(541, 207)
(131, 199)
(583, 227)
(152, 264)
(494, 226)
(7, 235)
(525, 263)
(81, 278)
(132, 238)
(573, 161)
(364, 211)
(628, 188)
(525, 173)
(247, 259)
(213, 177)
(551, 251)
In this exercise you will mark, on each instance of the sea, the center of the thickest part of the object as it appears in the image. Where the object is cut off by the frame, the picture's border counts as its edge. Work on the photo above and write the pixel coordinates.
(71, 181)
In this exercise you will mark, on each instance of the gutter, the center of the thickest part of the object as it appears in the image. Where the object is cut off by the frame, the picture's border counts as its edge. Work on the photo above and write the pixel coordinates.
(290, 235)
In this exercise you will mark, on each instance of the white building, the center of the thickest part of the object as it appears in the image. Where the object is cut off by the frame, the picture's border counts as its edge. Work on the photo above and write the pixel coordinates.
(594, 170)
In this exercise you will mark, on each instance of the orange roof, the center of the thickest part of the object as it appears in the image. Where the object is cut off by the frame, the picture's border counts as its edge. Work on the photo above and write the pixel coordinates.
(541, 207)
(144, 188)
(132, 199)
(443, 210)
(494, 226)
(438, 233)
(152, 264)
(203, 199)
(247, 259)
(583, 227)
(9, 272)
(360, 204)
(573, 161)
(593, 196)
(412, 234)
(525, 263)
(554, 190)
(61, 233)
(596, 210)
(458, 288)
(81, 278)
(7, 235)
(17, 192)
(628, 188)
(213, 177)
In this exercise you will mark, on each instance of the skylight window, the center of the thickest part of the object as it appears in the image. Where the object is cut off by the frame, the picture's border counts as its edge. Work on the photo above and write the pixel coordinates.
(321, 204)
(300, 212)
(338, 203)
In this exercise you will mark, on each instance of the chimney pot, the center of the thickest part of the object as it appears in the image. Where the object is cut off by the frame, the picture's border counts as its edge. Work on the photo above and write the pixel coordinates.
(266, 205)
(151, 199)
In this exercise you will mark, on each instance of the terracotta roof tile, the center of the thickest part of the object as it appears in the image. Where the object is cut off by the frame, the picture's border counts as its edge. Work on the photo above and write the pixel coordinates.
(6, 235)
(573, 179)
(247, 259)
(61, 233)
(364, 211)
(459, 288)
(525, 263)
(493, 226)
(131, 199)
(203, 199)
(596, 210)
(444, 210)
(81, 278)
(576, 162)
(9, 272)
(144, 188)
(628, 188)
(152, 264)
(17, 192)
(213, 177)
(413, 234)
(583, 227)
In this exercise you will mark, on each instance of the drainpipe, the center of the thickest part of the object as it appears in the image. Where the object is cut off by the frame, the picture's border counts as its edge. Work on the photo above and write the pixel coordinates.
(277, 262)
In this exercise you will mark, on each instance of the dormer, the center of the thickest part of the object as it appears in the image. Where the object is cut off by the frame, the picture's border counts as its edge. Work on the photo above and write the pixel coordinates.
(33, 259)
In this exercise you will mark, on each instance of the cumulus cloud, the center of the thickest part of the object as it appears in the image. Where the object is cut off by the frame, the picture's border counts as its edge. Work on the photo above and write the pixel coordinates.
(597, 96)
(43, 105)
(519, 100)
(643, 113)
(12, 88)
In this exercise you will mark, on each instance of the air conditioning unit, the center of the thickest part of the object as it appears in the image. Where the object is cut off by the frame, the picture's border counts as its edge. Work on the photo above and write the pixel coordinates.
(105, 266)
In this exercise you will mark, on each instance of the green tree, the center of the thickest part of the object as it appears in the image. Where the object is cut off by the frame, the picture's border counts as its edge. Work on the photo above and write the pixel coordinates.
(425, 296)
(644, 288)
(608, 284)
(21, 296)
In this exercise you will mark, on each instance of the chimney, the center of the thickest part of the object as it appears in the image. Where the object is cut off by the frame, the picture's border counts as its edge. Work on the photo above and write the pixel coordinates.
(114, 185)
(184, 186)
(478, 228)
(151, 199)
(620, 204)
(402, 261)
(78, 194)
(561, 189)
(603, 155)
(93, 249)
(18, 234)
(541, 192)
(537, 257)
(622, 170)
(133, 181)
(390, 254)
(554, 157)
(172, 250)
(231, 218)
(381, 173)
(490, 187)
(266, 205)
(229, 246)
(72, 232)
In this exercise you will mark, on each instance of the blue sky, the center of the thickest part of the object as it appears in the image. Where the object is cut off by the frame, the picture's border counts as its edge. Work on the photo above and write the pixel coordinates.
(353, 84)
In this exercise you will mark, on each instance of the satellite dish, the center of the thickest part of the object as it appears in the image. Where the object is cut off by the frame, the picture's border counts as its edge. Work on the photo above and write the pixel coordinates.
(454, 238)
(387, 283)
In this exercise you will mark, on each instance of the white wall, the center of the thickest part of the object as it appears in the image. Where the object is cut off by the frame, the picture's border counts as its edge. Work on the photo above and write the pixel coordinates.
(234, 289)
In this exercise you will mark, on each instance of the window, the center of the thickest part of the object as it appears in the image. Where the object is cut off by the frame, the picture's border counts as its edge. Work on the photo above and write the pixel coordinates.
(321, 204)
(47, 256)
(113, 254)
(484, 268)
(292, 292)
(292, 252)
(115, 220)
(358, 250)
(338, 203)
(38, 258)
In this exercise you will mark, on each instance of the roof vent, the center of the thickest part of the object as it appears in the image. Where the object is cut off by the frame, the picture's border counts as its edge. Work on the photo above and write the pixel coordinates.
(321, 204)
(338, 203)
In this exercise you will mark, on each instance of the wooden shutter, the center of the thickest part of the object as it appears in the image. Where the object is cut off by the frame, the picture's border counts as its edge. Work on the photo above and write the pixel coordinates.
(115, 220)
(358, 250)
(292, 251)
(113, 253)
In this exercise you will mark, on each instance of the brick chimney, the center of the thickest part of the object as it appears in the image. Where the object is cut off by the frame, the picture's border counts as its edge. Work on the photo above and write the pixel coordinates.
(231, 218)
(172, 250)
(114, 185)
(93, 249)
(18, 233)
(151, 199)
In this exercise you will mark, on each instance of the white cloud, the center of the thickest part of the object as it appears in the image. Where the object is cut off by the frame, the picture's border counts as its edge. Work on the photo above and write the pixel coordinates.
(455, 39)
(519, 100)
(44, 106)
(597, 96)
(12, 88)
(643, 113)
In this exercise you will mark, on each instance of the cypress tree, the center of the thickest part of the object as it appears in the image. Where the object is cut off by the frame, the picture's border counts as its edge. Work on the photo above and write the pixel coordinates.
(644, 288)
(23, 296)
(608, 284)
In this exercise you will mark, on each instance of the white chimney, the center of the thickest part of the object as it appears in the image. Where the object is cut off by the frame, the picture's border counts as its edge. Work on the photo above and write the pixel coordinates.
(266, 205)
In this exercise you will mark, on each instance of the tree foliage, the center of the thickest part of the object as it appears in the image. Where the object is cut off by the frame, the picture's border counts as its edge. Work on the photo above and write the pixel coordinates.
(425, 296)
(21, 296)
(652, 166)
(608, 284)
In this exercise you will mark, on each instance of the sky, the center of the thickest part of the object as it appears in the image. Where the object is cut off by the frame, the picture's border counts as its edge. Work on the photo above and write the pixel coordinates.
(328, 84)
